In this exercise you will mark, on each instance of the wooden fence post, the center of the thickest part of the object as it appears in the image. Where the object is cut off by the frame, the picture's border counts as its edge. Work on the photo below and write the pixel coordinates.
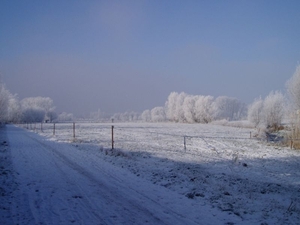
(53, 128)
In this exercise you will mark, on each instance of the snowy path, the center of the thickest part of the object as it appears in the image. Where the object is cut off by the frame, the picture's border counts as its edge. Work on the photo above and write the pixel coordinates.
(60, 184)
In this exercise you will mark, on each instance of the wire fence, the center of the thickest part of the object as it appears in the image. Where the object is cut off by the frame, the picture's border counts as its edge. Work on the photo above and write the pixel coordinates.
(138, 136)
(126, 136)
(196, 143)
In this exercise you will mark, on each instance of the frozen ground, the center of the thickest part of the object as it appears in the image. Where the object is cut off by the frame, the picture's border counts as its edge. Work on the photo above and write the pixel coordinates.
(222, 177)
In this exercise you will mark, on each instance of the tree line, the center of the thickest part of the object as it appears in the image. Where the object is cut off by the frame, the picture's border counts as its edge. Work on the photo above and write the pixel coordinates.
(262, 113)
(268, 112)
(179, 108)
(185, 108)
(28, 110)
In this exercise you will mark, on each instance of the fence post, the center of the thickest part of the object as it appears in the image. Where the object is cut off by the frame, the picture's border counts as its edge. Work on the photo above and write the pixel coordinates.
(184, 143)
(53, 128)
(112, 137)
(41, 126)
(74, 130)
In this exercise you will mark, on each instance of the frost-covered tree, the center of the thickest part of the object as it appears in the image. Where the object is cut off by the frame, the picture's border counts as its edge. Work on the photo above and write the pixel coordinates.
(274, 109)
(14, 110)
(171, 106)
(229, 108)
(179, 113)
(293, 88)
(126, 117)
(4, 103)
(188, 107)
(64, 117)
(32, 115)
(96, 116)
(51, 116)
(146, 115)
(37, 109)
(256, 112)
(158, 114)
(204, 109)
(174, 107)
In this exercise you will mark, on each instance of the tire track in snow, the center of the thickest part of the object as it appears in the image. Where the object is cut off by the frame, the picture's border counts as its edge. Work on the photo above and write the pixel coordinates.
(129, 205)
(67, 168)
(105, 189)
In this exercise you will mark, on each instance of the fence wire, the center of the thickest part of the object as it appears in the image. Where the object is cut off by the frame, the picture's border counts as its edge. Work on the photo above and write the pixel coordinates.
(139, 137)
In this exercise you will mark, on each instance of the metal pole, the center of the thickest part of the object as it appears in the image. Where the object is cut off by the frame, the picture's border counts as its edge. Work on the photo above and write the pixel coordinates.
(112, 137)
(74, 130)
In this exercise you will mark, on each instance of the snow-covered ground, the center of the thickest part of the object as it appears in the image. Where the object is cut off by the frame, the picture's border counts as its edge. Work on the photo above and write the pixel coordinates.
(221, 176)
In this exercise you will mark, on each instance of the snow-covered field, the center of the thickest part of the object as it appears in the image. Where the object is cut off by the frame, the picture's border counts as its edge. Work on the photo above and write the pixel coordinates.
(219, 170)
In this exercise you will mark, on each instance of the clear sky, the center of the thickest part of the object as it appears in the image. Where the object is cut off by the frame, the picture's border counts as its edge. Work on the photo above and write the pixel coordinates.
(120, 56)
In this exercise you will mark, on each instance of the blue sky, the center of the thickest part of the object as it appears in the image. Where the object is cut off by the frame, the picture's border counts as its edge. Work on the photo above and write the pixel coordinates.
(129, 55)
